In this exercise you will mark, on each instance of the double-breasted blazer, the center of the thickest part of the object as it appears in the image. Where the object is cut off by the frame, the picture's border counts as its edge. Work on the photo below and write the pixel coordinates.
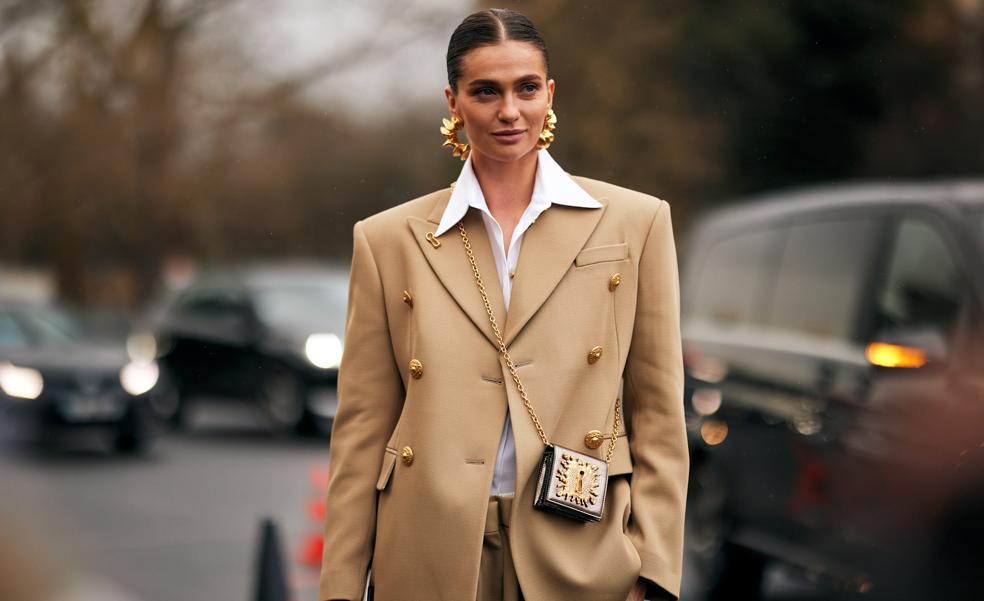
(413, 447)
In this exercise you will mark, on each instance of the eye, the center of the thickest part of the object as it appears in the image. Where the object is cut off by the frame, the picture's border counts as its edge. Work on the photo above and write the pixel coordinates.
(530, 88)
(486, 91)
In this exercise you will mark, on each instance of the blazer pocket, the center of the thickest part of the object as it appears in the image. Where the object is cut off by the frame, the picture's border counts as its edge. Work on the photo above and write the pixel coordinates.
(600, 254)
(386, 469)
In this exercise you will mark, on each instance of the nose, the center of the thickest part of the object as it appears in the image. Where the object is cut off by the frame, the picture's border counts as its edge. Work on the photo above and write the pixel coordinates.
(508, 111)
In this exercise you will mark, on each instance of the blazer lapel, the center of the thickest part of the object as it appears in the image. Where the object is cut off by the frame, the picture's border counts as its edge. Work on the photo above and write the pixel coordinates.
(548, 250)
(450, 263)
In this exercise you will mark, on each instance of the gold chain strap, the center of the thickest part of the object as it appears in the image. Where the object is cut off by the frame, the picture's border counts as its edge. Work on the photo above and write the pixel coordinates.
(509, 362)
(611, 445)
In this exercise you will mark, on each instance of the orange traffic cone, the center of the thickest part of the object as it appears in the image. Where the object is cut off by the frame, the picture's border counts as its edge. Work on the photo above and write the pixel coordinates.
(312, 547)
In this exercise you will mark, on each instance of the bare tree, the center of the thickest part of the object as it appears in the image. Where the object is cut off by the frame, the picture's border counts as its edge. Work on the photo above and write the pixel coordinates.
(102, 112)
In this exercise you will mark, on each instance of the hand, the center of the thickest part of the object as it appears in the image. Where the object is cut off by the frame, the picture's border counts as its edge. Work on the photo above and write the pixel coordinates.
(638, 592)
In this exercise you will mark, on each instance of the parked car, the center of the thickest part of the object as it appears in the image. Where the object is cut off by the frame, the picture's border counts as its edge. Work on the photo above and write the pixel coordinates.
(835, 389)
(265, 334)
(55, 379)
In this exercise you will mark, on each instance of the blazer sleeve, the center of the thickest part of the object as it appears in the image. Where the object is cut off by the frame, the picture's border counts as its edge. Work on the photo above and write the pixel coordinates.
(370, 393)
(653, 399)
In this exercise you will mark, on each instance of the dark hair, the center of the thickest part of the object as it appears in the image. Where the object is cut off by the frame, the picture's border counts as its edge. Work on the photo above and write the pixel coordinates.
(486, 28)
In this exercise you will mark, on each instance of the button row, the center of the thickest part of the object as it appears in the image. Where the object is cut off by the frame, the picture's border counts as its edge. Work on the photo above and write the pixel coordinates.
(592, 440)
(613, 283)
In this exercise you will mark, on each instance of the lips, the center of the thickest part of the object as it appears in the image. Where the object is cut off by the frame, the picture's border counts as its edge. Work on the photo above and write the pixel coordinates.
(509, 136)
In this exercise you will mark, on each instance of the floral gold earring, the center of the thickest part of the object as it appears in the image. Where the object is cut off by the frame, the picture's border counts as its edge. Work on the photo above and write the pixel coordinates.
(451, 127)
(450, 130)
(549, 125)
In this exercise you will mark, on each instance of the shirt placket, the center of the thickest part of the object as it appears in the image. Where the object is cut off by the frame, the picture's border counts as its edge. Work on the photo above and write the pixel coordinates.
(498, 251)
(508, 265)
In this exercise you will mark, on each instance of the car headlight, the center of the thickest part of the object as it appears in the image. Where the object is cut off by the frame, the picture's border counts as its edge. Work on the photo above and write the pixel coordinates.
(137, 377)
(141, 346)
(20, 382)
(323, 350)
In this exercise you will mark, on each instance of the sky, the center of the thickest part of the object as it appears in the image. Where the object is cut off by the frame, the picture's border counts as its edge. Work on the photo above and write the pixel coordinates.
(399, 47)
(375, 54)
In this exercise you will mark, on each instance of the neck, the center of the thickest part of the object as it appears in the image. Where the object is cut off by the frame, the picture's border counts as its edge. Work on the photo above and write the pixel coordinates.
(507, 186)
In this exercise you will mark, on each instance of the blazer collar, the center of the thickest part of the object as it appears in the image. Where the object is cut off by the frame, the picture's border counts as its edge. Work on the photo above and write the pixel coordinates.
(549, 249)
(551, 186)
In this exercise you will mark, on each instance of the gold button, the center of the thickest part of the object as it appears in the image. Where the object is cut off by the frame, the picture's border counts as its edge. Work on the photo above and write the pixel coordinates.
(407, 298)
(614, 281)
(434, 241)
(407, 455)
(593, 439)
(594, 354)
(416, 368)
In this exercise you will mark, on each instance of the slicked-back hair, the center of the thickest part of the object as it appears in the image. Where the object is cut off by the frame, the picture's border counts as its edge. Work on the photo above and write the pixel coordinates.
(486, 28)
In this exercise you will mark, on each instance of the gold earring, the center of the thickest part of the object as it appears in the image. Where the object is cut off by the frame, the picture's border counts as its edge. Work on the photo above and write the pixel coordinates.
(450, 131)
(549, 125)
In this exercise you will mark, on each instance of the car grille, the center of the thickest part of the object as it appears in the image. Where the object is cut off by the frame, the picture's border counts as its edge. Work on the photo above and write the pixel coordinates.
(87, 384)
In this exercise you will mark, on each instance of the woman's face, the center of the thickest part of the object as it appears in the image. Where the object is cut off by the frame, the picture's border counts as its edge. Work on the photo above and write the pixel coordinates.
(503, 97)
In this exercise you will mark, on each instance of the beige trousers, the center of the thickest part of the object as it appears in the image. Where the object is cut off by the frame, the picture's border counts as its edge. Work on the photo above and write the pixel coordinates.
(497, 576)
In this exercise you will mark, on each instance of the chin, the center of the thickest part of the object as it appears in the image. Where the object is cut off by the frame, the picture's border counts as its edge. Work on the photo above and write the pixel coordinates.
(505, 154)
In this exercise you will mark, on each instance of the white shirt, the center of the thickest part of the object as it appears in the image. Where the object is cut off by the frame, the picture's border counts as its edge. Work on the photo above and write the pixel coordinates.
(551, 186)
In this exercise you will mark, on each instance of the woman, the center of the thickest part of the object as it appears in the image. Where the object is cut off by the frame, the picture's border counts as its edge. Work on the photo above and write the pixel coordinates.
(435, 446)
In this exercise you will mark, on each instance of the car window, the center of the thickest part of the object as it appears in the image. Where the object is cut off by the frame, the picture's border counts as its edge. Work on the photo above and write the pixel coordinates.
(923, 283)
(11, 333)
(52, 325)
(304, 306)
(39, 324)
(210, 302)
(821, 276)
(730, 283)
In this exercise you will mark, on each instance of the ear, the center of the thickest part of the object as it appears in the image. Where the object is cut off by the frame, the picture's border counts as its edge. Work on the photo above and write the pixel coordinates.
(550, 92)
(451, 98)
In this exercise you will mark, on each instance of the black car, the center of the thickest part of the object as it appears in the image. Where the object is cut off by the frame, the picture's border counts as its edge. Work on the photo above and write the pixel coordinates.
(835, 390)
(56, 380)
(266, 335)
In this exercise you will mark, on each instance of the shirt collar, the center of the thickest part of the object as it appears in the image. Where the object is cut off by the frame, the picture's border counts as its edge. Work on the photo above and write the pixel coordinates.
(551, 186)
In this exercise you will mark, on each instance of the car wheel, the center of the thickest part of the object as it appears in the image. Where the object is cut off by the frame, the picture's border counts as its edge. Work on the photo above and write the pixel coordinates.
(739, 574)
(129, 442)
(955, 568)
(281, 399)
(167, 400)
(723, 569)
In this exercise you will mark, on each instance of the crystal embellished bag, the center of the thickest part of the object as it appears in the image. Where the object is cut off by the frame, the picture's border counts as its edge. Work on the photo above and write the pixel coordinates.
(569, 483)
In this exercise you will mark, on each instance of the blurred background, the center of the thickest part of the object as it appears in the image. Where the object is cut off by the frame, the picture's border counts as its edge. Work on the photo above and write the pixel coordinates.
(178, 184)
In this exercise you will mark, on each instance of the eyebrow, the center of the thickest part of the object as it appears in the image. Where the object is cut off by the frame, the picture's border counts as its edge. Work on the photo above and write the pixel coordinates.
(492, 82)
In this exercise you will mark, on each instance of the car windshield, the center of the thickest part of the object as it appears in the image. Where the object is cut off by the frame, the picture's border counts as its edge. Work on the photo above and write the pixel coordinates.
(304, 307)
(44, 325)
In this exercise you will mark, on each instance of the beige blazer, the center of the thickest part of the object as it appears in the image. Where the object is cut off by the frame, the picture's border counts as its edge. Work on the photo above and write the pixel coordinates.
(413, 450)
